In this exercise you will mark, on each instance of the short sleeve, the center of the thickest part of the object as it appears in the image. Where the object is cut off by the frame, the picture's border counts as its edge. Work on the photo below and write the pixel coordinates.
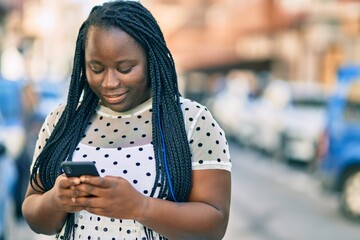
(207, 140)
(46, 130)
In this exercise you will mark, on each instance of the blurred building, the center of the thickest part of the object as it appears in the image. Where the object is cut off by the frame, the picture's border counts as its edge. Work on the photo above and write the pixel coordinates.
(292, 40)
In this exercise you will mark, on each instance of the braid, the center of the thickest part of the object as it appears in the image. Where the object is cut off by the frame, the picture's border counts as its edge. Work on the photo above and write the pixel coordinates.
(68, 131)
(169, 139)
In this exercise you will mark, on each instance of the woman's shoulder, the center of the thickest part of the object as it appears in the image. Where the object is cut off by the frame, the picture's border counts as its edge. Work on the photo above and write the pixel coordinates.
(195, 112)
(191, 105)
(53, 117)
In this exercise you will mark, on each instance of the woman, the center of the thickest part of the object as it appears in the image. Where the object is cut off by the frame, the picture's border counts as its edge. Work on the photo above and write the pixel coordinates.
(163, 160)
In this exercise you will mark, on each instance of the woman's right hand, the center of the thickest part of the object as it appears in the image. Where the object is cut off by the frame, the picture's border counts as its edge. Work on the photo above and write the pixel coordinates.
(64, 193)
(46, 212)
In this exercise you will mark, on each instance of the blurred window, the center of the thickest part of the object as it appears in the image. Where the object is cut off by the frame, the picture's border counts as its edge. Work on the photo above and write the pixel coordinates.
(310, 103)
(352, 107)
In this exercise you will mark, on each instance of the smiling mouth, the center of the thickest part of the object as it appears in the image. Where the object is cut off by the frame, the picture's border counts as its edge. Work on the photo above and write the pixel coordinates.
(115, 98)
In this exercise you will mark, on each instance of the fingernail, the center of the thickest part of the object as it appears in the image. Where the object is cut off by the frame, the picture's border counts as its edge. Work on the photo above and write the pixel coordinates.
(73, 200)
(82, 179)
(77, 181)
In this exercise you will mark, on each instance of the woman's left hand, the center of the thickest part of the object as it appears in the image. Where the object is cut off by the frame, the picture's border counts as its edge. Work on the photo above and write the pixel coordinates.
(110, 196)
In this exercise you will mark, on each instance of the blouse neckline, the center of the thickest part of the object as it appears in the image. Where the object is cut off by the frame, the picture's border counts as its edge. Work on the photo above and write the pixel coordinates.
(107, 112)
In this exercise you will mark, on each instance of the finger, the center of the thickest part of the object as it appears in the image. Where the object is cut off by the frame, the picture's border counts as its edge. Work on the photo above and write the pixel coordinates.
(96, 211)
(88, 202)
(65, 182)
(96, 181)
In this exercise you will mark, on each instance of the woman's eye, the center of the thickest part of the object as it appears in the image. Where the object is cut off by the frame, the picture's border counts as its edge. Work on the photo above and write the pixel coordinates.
(96, 70)
(124, 70)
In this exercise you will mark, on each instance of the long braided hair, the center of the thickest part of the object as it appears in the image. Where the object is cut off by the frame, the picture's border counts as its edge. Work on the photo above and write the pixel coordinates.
(171, 148)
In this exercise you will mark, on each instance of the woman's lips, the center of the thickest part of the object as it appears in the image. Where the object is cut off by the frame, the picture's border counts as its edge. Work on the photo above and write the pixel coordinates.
(114, 98)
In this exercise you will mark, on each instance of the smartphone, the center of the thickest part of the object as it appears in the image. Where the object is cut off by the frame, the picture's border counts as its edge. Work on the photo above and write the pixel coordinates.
(77, 169)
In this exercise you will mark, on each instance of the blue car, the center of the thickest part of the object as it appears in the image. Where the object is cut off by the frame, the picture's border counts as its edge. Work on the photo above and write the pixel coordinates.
(340, 144)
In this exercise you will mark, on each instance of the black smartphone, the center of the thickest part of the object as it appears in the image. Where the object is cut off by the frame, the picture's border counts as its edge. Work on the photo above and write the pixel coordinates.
(77, 169)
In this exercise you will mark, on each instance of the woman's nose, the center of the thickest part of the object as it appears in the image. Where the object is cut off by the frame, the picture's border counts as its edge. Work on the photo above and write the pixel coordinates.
(110, 79)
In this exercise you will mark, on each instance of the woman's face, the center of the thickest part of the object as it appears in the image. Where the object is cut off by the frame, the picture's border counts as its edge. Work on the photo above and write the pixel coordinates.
(116, 69)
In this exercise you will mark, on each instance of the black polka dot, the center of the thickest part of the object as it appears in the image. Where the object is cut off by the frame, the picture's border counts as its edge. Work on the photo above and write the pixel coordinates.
(90, 142)
(210, 151)
(198, 129)
(119, 148)
(115, 162)
(127, 122)
(201, 161)
(208, 134)
(116, 130)
(84, 156)
(137, 164)
(125, 171)
(135, 129)
(200, 144)
(106, 155)
(128, 155)
(77, 149)
(102, 170)
(103, 136)
(140, 149)
(135, 181)
(191, 119)
(97, 148)
(123, 136)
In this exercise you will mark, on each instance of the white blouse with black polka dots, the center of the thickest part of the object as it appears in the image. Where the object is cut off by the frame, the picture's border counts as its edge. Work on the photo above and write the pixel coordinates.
(120, 144)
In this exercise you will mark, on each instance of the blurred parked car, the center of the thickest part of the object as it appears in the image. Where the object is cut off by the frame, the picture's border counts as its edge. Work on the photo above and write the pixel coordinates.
(267, 117)
(230, 104)
(340, 146)
(303, 122)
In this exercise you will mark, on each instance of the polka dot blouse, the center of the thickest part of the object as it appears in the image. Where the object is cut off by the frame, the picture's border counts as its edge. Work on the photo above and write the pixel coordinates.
(120, 145)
